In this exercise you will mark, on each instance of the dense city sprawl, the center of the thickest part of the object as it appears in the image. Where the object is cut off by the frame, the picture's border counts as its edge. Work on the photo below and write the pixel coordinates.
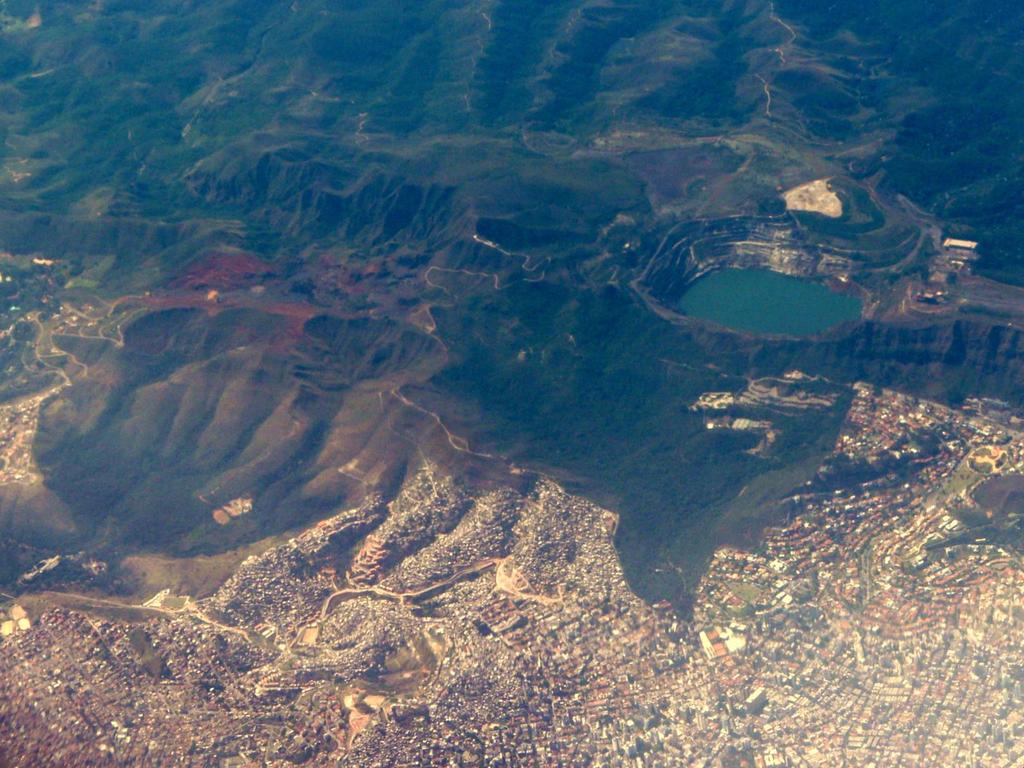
(877, 624)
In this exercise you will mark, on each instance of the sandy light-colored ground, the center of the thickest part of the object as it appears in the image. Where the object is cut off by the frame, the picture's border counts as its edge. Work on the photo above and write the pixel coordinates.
(815, 197)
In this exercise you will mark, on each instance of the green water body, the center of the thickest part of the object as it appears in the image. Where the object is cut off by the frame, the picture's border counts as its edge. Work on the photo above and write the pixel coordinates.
(761, 301)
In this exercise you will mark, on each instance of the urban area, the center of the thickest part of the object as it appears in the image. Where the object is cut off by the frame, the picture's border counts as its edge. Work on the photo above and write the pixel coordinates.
(877, 624)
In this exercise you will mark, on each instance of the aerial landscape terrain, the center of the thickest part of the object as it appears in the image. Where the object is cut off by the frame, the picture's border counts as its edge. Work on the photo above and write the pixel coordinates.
(512, 383)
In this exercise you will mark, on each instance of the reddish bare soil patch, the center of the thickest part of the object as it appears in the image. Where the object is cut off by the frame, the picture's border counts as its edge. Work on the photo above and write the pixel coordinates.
(225, 271)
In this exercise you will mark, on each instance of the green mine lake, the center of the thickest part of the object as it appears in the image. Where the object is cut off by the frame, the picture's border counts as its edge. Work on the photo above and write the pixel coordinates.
(761, 301)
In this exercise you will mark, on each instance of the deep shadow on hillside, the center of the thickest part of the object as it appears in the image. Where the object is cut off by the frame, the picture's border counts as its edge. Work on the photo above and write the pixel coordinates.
(596, 390)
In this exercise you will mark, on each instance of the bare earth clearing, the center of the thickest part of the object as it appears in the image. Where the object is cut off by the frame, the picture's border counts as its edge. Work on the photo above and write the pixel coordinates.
(814, 197)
